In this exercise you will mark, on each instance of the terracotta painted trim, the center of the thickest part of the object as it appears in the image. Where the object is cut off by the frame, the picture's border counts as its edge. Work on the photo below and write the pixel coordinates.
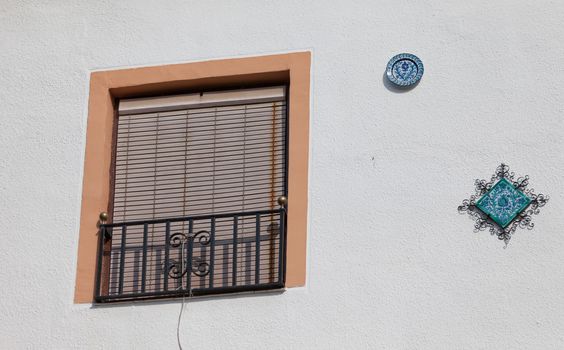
(107, 86)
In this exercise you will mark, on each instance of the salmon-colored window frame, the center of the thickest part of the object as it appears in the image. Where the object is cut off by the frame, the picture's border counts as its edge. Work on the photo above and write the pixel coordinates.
(108, 86)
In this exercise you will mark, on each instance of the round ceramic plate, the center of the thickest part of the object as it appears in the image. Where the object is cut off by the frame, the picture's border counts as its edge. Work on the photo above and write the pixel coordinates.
(404, 69)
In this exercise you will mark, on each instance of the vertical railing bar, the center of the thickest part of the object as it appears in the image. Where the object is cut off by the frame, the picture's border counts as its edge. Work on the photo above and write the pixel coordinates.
(257, 250)
(202, 257)
(135, 285)
(167, 254)
(225, 267)
(122, 259)
(99, 262)
(189, 256)
(235, 224)
(158, 252)
(212, 250)
(144, 263)
(281, 260)
(114, 273)
(247, 261)
(179, 281)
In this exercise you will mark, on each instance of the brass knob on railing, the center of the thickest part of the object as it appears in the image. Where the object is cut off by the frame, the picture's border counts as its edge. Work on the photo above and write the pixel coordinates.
(282, 201)
(103, 217)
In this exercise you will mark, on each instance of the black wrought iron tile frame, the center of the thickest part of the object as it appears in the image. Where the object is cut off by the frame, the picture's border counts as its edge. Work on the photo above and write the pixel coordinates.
(523, 220)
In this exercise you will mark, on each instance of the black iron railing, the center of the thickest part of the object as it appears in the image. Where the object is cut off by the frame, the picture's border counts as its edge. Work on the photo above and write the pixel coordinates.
(196, 255)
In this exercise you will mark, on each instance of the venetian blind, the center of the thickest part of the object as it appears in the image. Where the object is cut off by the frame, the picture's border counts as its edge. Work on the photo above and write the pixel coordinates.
(200, 154)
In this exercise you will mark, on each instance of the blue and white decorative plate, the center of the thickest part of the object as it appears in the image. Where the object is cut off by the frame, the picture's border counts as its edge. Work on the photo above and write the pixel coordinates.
(404, 69)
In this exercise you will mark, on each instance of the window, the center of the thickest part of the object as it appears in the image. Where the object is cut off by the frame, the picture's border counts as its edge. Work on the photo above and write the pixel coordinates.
(115, 95)
(197, 181)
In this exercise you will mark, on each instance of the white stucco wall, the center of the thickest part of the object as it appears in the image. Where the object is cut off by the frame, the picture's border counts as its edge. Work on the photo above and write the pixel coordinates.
(391, 264)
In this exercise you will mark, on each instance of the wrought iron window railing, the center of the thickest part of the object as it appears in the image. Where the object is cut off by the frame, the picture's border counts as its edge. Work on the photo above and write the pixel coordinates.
(196, 255)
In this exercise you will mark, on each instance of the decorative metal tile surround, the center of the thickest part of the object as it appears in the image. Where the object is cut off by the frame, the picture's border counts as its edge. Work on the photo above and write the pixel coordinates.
(503, 204)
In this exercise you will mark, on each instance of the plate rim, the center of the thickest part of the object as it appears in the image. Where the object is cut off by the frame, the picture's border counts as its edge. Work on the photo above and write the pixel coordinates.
(412, 57)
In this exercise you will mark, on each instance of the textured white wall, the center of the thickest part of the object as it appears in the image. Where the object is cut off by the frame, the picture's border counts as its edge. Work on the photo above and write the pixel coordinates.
(392, 264)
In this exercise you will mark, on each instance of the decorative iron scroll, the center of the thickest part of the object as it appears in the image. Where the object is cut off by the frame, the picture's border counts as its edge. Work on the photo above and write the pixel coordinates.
(198, 266)
(503, 204)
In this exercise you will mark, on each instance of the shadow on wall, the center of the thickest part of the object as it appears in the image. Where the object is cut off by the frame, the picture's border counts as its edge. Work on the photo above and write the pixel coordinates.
(396, 88)
(195, 299)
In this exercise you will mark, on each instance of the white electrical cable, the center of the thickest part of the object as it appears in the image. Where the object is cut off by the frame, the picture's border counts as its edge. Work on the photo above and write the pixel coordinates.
(188, 270)
(180, 320)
